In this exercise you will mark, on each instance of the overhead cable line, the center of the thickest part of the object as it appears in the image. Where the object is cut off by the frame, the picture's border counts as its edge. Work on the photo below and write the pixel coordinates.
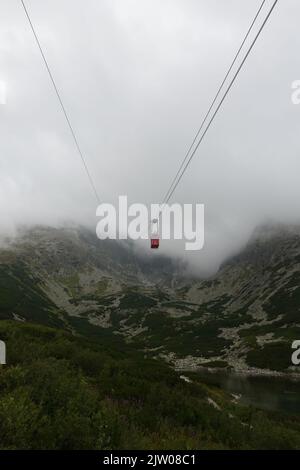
(62, 106)
(184, 165)
(215, 98)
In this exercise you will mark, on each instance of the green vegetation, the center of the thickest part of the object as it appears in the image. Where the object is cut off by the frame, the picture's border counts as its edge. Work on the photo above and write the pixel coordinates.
(134, 300)
(64, 392)
(21, 294)
(102, 286)
(274, 356)
(286, 301)
(70, 384)
(72, 285)
(216, 364)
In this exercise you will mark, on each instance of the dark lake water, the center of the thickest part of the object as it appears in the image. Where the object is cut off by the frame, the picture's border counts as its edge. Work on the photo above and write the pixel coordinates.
(270, 393)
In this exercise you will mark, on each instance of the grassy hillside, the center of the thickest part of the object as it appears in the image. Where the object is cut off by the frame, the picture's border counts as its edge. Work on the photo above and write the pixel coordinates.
(21, 296)
(64, 392)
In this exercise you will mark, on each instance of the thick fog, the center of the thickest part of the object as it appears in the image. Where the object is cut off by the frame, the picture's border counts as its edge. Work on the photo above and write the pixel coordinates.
(136, 78)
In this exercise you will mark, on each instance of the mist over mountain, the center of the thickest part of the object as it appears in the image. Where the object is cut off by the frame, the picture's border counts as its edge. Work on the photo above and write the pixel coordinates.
(136, 79)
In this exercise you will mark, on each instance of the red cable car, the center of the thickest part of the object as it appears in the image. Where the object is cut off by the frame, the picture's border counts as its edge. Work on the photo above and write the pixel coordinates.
(154, 242)
(154, 238)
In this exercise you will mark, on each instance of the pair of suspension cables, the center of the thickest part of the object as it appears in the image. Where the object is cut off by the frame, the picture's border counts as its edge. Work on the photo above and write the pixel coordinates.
(211, 113)
(208, 118)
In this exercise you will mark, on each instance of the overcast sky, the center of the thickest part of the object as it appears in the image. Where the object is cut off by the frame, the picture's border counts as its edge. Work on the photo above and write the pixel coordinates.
(137, 77)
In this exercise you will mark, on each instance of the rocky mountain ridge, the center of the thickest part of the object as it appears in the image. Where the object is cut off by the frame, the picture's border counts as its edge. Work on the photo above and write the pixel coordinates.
(245, 317)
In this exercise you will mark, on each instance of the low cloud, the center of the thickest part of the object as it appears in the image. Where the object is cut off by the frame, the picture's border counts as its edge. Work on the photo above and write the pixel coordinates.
(137, 78)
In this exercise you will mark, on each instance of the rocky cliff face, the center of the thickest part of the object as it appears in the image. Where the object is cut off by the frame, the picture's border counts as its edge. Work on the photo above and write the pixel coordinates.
(246, 317)
(255, 299)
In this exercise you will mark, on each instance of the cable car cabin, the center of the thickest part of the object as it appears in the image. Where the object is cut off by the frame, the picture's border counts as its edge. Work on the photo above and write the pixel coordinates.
(154, 237)
(154, 243)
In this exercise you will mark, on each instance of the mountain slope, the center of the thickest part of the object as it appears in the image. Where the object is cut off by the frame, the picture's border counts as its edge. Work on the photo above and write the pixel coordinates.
(256, 300)
(246, 317)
